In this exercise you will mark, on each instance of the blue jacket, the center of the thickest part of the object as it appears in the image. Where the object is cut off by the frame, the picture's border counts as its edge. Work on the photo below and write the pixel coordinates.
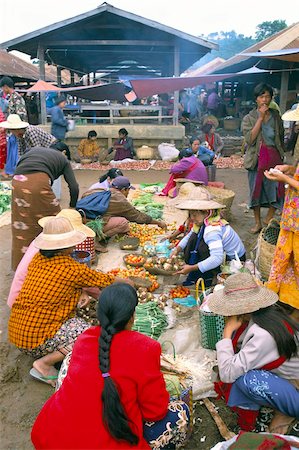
(59, 123)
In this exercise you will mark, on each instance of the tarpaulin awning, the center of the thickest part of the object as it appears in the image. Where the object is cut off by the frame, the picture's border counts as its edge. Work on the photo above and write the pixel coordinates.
(113, 91)
(288, 54)
(43, 86)
(150, 86)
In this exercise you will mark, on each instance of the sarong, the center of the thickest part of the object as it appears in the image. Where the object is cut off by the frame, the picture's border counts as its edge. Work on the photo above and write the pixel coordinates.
(284, 274)
(32, 198)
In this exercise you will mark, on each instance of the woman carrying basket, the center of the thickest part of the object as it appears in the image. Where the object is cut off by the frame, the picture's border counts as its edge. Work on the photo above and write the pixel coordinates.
(258, 356)
(113, 386)
(205, 245)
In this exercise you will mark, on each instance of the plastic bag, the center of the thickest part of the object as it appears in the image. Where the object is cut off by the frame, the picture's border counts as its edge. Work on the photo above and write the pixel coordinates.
(167, 151)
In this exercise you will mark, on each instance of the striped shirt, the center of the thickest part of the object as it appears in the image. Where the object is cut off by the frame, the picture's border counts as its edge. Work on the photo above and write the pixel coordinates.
(48, 298)
(220, 240)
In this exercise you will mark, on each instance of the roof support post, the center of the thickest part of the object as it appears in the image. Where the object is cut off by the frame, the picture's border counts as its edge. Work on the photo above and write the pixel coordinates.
(42, 75)
(59, 76)
(284, 85)
(176, 93)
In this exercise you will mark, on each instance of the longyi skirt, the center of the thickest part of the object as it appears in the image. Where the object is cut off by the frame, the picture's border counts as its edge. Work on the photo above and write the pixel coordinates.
(32, 198)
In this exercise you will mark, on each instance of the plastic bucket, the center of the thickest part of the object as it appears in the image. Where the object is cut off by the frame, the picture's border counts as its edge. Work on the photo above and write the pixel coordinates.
(211, 171)
(82, 256)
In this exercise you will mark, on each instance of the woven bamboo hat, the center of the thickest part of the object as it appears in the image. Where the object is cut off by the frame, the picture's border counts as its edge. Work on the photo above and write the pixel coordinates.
(291, 114)
(190, 191)
(74, 217)
(241, 295)
(58, 233)
(199, 205)
(14, 122)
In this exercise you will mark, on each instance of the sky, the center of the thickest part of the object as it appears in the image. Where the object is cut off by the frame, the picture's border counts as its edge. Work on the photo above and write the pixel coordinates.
(195, 17)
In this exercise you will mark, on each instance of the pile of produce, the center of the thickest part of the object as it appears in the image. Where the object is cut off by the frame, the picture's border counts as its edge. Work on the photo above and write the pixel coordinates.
(144, 296)
(136, 272)
(172, 264)
(145, 203)
(5, 197)
(134, 260)
(162, 165)
(152, 188)
(134, 165)
(146, 233)
(150, 320)
(89, 313)
(232, 162)
(179, 292)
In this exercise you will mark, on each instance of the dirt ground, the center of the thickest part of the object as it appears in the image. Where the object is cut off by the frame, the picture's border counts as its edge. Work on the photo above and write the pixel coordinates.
(22, 398)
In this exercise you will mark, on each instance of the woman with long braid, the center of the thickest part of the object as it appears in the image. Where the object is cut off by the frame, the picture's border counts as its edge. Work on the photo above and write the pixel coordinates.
(113, 386)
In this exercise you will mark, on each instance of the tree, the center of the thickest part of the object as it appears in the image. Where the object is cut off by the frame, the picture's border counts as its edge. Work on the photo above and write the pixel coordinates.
(266, 29)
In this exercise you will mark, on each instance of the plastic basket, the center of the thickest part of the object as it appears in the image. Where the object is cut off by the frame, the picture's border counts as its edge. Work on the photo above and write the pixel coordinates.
(211, 325)
(88, 245)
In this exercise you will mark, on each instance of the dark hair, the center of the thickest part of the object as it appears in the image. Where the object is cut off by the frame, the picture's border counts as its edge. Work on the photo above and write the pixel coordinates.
(261, 88)
(112, 173)
(60, 99)
(92, 133)
(185, 153)
(7, 81)
(274, 320)
(206, 128)
(123, 131)
(192, 139)
(50, 253)
(115, 308)
(62, 147)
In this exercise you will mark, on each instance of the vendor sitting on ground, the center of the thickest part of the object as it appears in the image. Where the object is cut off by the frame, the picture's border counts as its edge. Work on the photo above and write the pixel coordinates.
(42, 322)
(258, 356)
(213, 140)
(123, 147)
(106, 179)
(120, 211)
(211, 237)
(114, 390)
(188, 166)
(89, 148)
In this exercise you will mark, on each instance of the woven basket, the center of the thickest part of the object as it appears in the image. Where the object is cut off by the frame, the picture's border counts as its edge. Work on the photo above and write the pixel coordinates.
(265, 255)
(134, 264)
(223, 196)
(211, 325)
(130, 243)
(145, 152)
(88, 245)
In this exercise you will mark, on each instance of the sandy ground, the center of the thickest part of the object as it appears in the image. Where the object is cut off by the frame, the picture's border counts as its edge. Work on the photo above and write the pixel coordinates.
(21, 397)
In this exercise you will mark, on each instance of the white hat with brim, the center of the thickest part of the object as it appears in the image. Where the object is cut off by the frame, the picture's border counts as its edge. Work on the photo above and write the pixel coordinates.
(69, 239)
(75, 219)
(240, 295)
(14, 122)
(291, 115)
(199, 205)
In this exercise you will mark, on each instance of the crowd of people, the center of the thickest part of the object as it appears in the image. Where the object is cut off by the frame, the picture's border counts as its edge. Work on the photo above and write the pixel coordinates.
(114, 394)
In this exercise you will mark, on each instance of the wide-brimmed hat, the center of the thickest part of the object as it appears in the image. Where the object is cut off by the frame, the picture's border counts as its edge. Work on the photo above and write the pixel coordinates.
(58, 233)
(14, 122)
(186, 180)
(190, 191)
(199, 205)
(241, 295)
(74, 217)
(291, 114)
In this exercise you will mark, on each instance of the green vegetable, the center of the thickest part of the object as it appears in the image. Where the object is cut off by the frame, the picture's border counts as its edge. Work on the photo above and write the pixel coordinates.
(150, 320)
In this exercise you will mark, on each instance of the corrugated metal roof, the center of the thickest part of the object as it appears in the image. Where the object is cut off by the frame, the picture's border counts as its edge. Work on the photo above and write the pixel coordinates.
(17, 68)
(123, 36)
(287, 38)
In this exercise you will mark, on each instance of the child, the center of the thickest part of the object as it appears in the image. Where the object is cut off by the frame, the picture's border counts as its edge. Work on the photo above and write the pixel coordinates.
(89, 148)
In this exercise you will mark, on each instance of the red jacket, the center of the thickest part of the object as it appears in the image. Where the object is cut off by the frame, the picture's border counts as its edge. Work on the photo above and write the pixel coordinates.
(72, 417)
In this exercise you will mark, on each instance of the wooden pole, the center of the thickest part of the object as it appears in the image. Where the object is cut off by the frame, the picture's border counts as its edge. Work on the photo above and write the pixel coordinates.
(176, 93)
(42, 75)
(59, 76)
(284, 86)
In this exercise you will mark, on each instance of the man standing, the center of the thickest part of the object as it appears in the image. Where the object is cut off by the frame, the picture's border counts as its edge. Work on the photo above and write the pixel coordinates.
(16, 103)
(59, 122)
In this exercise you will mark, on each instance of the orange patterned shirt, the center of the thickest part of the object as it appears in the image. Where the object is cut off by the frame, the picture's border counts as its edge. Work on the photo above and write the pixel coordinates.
(48, 298)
